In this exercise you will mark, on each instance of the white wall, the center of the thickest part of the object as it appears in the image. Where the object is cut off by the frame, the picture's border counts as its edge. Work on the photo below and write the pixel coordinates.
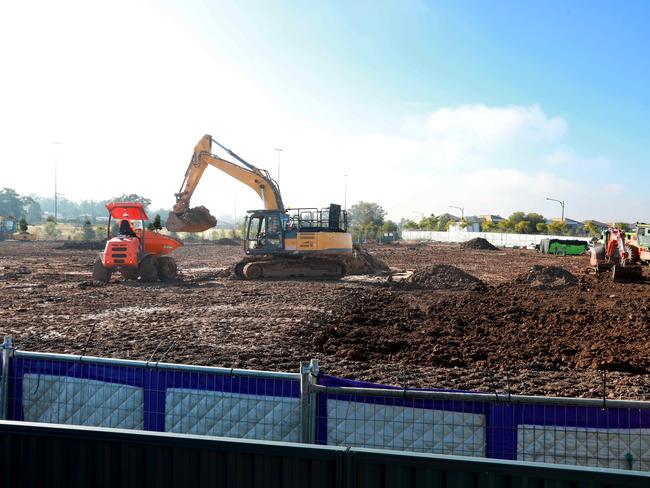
(495, 238)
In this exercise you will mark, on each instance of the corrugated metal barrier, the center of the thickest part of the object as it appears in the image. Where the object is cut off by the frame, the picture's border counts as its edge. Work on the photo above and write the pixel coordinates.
(35, 455)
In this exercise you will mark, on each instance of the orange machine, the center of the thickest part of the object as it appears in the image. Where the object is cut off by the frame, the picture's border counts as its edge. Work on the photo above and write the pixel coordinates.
(135, 253)
(613, 254)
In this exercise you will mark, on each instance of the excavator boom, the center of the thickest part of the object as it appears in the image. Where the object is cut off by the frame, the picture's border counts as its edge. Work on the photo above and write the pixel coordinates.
(186, 219)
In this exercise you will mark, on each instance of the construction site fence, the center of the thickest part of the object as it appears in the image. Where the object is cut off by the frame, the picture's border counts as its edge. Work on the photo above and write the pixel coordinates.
(313, 408)
(497, 239)
(35, 455)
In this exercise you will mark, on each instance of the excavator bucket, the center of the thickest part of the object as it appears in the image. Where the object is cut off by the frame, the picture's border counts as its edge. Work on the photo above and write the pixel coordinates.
(195, 219)
(627, 273)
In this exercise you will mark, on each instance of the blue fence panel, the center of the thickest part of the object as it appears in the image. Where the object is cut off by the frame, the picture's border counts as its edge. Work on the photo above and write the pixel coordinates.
(144, 396)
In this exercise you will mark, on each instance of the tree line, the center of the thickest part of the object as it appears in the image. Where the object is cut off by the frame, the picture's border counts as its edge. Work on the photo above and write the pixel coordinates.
(34, 209)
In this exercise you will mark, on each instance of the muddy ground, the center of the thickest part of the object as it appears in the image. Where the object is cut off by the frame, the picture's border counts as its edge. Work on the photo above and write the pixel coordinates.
(505, 333)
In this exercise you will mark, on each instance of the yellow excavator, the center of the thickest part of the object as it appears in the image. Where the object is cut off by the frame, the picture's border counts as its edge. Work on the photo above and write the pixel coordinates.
(278, 242)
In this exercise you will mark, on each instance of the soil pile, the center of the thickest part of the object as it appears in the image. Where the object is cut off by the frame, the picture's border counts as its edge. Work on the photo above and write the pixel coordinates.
(443, 276)
(225, 241)
(548, 278)
(478, 243)
(362, 262)
(83, 245)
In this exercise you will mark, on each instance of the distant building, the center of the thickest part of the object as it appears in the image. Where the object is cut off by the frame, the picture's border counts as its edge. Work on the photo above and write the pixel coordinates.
(493, 219)
(573, 226)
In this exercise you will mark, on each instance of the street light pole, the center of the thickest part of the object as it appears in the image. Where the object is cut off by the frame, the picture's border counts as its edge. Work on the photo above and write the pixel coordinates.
(56, 195)
(279, 150)
(561, 202)
(462, 211)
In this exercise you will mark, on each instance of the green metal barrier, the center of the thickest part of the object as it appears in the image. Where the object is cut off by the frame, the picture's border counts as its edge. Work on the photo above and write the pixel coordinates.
(55, 455)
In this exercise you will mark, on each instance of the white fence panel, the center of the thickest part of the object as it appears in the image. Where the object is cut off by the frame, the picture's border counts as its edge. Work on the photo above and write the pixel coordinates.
(495, 238)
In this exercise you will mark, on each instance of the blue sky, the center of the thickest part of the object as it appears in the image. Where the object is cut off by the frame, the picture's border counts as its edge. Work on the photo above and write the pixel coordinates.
(492, 105)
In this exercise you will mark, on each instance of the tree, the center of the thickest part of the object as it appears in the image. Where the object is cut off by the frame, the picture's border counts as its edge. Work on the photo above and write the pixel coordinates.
(592, 229)
(51, 228)
(506, 225)
(10, 203)
(523, 227)
(31, 209)
(428, 223)
(389, 227)
(133, 197)
(541, 227)
(155, 224)
(88, 231)
(517, 217)
(535, 219)
(365, 219)
(488, 226)
(444, 221)
(557, 227)
(409, 225)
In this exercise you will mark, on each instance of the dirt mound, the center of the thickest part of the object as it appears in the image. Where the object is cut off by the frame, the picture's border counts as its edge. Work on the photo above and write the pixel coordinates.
(548, 278)
(478, 243)
(83, 245)
(362, 262)
(225, 241)
(441, 276)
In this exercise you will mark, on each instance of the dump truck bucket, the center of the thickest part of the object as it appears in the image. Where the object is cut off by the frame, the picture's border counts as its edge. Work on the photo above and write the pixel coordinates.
(627, 273)
(195, 219)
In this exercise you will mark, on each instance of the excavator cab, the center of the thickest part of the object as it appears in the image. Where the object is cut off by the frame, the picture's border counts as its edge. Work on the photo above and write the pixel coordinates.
(265, 232)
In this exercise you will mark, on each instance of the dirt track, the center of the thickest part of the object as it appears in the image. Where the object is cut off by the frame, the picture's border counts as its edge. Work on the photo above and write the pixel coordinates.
(504, 334)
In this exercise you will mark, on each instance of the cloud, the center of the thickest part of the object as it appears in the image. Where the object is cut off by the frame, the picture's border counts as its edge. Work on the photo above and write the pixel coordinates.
(129, 111)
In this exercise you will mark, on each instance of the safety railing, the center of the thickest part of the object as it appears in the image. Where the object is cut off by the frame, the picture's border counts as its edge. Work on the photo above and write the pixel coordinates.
(310, 407)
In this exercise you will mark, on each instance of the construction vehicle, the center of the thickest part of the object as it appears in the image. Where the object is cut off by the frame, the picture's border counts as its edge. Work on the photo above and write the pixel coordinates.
(637, 244)
(7, 228)
(279, 242)
(135, 252)
(13, 231)
(612, 254)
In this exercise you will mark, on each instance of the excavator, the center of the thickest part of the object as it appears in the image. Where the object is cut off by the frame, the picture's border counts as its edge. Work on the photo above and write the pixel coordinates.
(613, 254)
(279, 242)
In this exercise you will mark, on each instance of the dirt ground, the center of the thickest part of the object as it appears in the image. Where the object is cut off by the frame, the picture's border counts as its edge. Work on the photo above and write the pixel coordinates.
(509, 333)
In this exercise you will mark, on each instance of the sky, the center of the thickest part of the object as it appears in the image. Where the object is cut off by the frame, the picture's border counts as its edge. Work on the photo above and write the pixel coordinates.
(489, 106)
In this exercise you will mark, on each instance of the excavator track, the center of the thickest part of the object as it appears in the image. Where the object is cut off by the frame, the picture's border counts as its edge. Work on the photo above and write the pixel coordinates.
(277, 267)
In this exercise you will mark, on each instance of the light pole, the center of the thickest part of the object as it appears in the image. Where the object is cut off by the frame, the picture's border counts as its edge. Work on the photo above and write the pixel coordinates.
(561, 202)
(56, 195)
(345, 194)
(279, 150)
(462, 211)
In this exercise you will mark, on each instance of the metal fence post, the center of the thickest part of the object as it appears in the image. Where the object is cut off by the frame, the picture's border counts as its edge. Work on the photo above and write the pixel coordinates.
(308, 378)
(7, 350)
(304, 401)
(313, 397)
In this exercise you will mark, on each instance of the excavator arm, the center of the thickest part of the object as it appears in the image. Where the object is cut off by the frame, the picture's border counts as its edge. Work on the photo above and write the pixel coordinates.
(186, 219)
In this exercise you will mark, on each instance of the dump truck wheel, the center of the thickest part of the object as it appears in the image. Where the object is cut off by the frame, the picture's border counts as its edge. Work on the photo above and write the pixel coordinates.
(129, 273)
(167, 268)
(100, 273)
(148, 269)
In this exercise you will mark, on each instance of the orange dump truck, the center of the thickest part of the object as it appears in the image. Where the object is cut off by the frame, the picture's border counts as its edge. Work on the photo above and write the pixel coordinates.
(135, 253)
